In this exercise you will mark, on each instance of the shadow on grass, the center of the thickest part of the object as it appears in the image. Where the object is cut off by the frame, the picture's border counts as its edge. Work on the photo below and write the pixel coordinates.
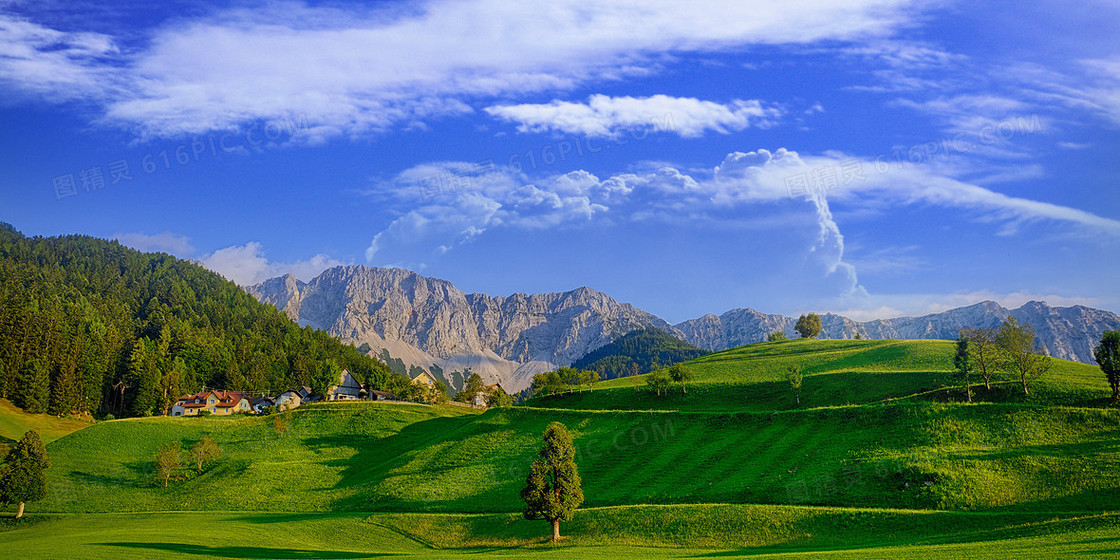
(268, 518)
(249, 552)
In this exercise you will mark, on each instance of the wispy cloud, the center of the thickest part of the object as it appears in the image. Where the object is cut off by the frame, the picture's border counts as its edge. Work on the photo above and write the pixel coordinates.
(608, 116)
(353, 70)
(485, 199)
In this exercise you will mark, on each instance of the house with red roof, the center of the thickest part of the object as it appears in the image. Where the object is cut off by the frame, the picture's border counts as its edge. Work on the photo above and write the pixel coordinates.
(222, 403)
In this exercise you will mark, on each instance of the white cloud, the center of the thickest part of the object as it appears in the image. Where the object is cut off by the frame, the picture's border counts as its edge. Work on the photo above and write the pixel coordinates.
(166, 242)
(246, 265)
(610, 116)
(357, 69)
(471, 200)
(55, 65)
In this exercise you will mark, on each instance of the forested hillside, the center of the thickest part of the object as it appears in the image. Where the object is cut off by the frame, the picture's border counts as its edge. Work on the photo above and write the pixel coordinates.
(88, 325)
(640, 351)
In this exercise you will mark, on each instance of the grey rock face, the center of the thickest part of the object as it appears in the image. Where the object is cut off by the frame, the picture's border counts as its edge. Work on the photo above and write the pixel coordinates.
(506, 339)
(1068, 333)
(362, 304)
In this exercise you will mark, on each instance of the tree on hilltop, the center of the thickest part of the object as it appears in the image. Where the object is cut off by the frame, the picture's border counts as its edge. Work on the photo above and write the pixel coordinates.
(983, 353)
(808, 326)
(657, 381)
(1107, 355)
(553, 489)
(1023, 353)
(681, 374)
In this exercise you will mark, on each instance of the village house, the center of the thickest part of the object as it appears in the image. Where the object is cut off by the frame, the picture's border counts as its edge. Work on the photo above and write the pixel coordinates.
(424, 378)
(222, 403)
(347, 389)
(288, 400)
(261, 403)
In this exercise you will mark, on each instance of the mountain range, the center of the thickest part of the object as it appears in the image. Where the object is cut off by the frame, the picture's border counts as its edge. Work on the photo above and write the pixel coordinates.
(429, 323)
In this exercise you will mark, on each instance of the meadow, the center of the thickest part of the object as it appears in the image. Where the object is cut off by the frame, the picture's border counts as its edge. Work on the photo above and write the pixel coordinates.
(880, 458)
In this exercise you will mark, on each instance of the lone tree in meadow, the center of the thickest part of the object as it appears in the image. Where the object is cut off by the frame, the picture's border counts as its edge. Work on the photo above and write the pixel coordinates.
(204, 451)
(281, 423)
(983, 353)
(793, 375)
(808, 326)
(776, 336)
(169, 459)
(963, 362)
(553, 488)
(1108, 357)
(681, 374)
(658, 381)
(1023, 354)
(23, 477)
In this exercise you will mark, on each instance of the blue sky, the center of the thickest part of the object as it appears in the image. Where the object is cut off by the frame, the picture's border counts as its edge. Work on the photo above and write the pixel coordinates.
(874, 158)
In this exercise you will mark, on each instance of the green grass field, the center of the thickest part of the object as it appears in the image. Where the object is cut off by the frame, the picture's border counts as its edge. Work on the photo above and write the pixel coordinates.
(880, 459)
(15, 422)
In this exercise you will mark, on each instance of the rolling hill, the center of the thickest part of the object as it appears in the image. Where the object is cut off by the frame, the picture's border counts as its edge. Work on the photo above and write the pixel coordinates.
(881, 452)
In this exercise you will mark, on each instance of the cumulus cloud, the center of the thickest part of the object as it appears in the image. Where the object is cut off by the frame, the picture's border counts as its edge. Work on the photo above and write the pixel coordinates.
(246, 264)
(356, 69)
(609, 116)
(167, 242)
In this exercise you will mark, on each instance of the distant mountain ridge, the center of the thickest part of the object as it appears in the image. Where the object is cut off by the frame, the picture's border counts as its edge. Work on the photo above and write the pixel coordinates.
(430, 323)
(1068, 333)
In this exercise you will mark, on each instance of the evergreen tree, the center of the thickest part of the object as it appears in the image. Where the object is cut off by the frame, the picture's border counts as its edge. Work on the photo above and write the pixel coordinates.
(553, 489)
(23, 477)
(32, 392)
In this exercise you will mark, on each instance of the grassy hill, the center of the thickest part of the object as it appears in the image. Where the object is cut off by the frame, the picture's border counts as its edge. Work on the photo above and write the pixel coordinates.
(837, 372)
(880, 459)
(15, 422)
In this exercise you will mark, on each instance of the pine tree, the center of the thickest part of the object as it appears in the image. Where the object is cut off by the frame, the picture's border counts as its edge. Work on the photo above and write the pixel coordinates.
(553, 488)
(33, 387)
